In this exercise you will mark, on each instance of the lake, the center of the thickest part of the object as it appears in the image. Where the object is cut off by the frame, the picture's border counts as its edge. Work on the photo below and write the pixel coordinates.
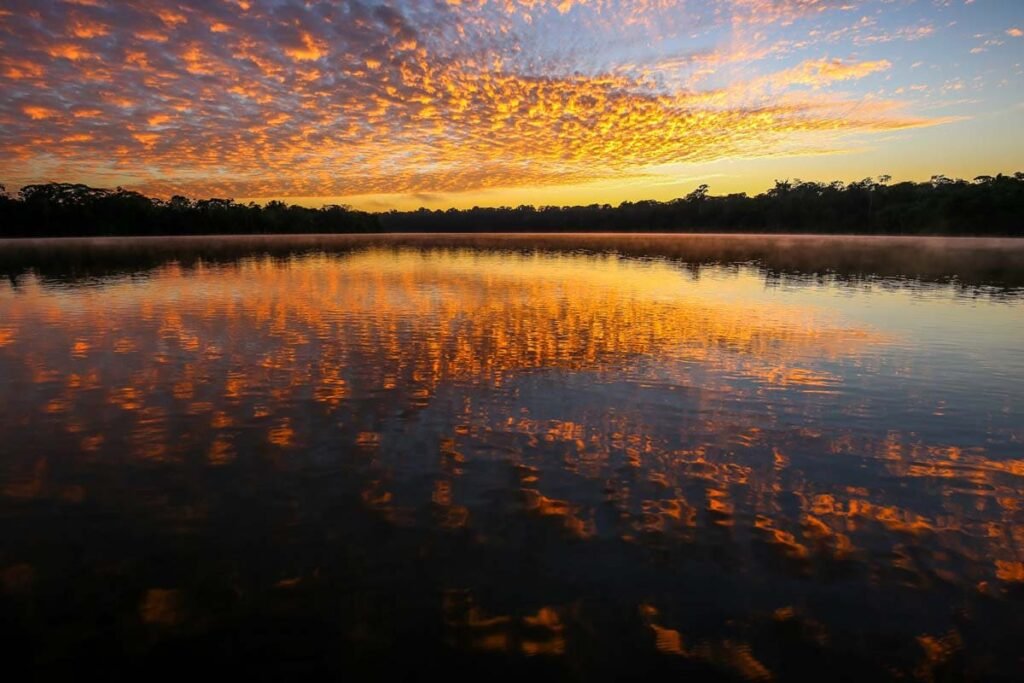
(746, 458)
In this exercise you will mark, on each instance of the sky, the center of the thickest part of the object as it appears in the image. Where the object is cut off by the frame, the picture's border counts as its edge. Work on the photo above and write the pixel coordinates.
(456, 103)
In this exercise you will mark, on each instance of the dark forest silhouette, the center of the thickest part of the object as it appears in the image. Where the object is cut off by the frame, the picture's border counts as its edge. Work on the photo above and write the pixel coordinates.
(67, 210)
(987, 205)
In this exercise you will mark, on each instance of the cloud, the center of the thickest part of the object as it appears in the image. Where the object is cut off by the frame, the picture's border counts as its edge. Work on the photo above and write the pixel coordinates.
(822, 72)
(307, 98)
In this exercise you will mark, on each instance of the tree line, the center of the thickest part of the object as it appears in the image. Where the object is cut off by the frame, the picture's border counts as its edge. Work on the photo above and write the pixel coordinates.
(986, 205)
(68, 209)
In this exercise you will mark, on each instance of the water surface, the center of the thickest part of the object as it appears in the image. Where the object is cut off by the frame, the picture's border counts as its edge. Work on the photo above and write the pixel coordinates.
(742, 458)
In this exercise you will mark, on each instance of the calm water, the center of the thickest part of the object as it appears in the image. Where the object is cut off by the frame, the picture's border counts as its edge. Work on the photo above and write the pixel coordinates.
(743, 458)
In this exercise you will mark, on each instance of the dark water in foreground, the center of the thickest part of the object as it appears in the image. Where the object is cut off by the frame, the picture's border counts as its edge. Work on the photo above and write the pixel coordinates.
(587, 457)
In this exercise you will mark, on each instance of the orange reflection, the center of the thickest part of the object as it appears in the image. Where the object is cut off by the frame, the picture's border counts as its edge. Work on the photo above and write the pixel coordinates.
(338, 354)
(734, 657)
(469, 627)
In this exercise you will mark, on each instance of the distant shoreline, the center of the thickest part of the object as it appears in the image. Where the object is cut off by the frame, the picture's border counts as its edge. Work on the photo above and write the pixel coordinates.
(985, 206)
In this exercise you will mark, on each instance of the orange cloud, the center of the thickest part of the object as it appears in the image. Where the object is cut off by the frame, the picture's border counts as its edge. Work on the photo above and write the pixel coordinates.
(821, 72)
(88, 29)
(38, 113)
(310, 50)
(356, 98)
(70, 51)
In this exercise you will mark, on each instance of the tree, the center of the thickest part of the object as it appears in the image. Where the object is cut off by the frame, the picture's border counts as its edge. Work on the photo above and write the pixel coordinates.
(698, 195)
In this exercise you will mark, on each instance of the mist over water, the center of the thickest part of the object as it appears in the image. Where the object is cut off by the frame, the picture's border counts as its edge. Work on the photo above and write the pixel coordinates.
(745, 457)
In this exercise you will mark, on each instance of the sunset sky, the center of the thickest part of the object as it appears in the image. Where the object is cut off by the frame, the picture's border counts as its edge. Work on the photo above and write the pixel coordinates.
(445, 103)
